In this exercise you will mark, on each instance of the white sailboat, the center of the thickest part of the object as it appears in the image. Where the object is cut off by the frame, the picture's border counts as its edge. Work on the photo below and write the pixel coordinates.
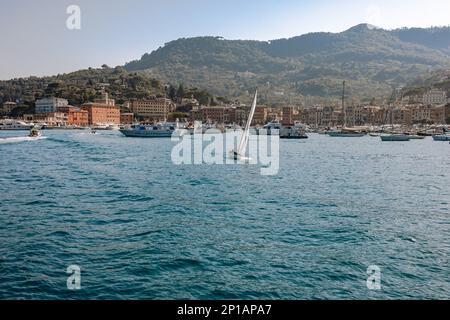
(240, 153)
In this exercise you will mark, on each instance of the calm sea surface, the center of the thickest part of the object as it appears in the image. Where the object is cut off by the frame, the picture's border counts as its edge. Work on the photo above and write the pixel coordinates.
(142, 228)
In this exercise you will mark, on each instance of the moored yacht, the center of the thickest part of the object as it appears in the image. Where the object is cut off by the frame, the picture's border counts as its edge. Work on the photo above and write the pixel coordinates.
(416, 137)
(160, 130)
(395, 137)
(346, 132)
(15, 125)
(445, 136)
(296, 131)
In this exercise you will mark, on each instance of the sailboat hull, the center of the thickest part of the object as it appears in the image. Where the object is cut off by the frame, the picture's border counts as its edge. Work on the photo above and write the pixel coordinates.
(345, 135)
(294, 137)
(395, 138)
(441, 138)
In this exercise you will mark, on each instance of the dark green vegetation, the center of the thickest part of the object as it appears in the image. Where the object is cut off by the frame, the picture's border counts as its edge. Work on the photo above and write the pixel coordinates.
(371, 60)
(84, 85)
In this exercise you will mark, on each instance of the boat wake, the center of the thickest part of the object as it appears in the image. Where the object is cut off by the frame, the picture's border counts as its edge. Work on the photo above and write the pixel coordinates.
(20, 139)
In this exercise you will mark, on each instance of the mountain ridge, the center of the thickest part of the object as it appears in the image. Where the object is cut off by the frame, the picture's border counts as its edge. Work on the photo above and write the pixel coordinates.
(371, 59)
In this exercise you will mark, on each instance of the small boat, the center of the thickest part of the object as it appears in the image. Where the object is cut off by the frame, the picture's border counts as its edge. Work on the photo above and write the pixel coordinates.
(416, 137)
(374, 135)
(442, 137)
(295, 132)
(295, 137)
(345, 133)
(35, 133)
(102, 127)
(292, 132)
(113, 127)
(93, 131)
(395, 137)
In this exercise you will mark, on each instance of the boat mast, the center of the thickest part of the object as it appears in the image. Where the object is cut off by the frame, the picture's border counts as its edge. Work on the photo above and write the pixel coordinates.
(343, 104)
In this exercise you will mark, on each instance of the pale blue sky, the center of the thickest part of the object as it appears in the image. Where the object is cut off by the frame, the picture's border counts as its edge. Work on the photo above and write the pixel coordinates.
(34, 39)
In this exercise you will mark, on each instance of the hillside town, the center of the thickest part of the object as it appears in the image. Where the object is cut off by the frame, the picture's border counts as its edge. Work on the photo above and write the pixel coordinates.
(433, 107)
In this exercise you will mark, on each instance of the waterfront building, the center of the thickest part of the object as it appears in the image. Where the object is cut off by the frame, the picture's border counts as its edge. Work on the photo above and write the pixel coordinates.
(210, 114)
(372, 115)
(313, 116)
(102, 111)
(230, 114)
(57, 119)
(447, 113)
(273, 115)
(435, 97)
(421, 113)
(156, 109)
(127, 118)
(50, 105)
(327, 116)
(8, 107)
(241, 115)
(402, 116)
(439, 115)
(77, 117)
(288, 116)
(220, 114)
(214, 114)
(337, 118)
(260, 117)
(66, 109)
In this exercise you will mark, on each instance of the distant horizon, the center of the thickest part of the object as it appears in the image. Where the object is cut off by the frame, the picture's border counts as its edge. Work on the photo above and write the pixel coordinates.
(39, 43)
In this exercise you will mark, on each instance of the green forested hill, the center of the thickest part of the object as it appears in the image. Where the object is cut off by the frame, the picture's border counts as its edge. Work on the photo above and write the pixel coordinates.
(439, 79)
(371, 60)
(84, 86)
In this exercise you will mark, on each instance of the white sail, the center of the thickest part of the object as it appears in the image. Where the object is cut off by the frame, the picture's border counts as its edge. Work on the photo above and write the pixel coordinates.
(245, 135)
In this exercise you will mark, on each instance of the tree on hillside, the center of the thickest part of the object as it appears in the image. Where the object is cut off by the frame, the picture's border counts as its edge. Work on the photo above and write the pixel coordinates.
(21, 110)
(172, 93)
(180, 92)
(177, 115)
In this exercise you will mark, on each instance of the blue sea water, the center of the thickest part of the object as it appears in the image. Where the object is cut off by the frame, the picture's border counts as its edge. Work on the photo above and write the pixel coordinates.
(142, 228)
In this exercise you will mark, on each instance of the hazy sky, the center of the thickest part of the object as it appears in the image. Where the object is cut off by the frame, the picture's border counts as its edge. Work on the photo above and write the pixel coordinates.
(34, 39)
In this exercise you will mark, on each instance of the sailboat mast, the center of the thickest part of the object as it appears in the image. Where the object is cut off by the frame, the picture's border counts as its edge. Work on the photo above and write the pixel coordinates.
(343, 104)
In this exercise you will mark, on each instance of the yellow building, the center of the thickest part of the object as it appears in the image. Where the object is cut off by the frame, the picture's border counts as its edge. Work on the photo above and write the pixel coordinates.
(155, 109)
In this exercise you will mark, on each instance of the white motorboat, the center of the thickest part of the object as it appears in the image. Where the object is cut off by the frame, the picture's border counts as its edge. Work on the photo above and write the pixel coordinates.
(346, 133)
(160, 130)
(35, 133)
(296, 131)
(15, 125)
